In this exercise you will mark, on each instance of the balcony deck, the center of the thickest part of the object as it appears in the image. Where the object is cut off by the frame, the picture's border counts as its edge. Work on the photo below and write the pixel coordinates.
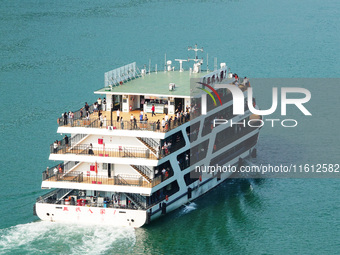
(127, 124)
(122, 152)
(76, 177)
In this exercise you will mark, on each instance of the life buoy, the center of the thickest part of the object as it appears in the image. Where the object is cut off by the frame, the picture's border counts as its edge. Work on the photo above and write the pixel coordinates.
(130, 108)
(166, 174)
(166, 198)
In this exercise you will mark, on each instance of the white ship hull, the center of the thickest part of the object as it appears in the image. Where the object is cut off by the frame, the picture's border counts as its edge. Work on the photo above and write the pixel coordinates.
(91, 215)
(119, 217)
(123, 172)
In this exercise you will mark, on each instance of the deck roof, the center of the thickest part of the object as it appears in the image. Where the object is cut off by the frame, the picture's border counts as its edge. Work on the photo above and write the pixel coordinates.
(157, 84)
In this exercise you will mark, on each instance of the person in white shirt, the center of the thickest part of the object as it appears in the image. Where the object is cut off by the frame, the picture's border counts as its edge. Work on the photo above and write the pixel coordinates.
(118, 112)
(163, 124)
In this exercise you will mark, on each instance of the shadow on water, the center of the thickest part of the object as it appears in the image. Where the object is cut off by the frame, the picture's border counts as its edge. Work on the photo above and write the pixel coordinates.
(213, 221)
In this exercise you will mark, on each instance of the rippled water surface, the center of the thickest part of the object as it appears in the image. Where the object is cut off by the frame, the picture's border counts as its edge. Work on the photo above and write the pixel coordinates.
(53, 56)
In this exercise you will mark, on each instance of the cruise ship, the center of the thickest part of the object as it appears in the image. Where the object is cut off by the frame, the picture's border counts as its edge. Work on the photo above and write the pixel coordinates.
(135, 154)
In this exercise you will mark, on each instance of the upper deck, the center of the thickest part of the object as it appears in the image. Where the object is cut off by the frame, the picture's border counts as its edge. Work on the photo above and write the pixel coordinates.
(132, 96)
(155, 84)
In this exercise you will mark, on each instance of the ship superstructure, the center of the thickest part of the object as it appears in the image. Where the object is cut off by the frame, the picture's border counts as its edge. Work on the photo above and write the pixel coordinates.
(131, 157)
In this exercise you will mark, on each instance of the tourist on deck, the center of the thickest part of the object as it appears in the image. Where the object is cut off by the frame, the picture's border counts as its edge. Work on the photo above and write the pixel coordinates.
(118, 112)
(165, 148)
(55, 146)
(104, 121)
(104, 104)
(153, 110)
(134, 122)
(158, 123)
(186, 160)
(186, 116)
(60, 169)
(81, 113)
(163, 124)
(95, 107)
(65, 118)
(55, 171)
(179, 107)
(46, 172)
(169, 146)
(182, 117)
(100, 120)
(66, 140)
(169, 122)
(99, 101)
(91, 149)
(166, 117)
(87, 107)
(121, 123)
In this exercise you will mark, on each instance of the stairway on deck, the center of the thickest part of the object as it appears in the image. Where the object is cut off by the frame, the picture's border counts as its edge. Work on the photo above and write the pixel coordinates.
(141, 173)
(148, 146)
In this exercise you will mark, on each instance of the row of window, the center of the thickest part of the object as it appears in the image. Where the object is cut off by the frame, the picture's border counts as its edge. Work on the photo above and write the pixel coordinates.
(193, 155)
(233, 152)
(231, 134)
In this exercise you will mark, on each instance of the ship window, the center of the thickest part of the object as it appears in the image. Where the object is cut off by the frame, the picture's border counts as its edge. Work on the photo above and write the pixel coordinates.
(158, 170)
(231, 134)
(189, 179)
(172, 143)
(160, 194)
(226, 113)
(192, 131)
(193, 155)
(234, 152)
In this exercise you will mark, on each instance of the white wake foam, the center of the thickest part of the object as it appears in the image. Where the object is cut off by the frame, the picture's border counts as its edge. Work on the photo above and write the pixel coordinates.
(48, 237)
(189, 207)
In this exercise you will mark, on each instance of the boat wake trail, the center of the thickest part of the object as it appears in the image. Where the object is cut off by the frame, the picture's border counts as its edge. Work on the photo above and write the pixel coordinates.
(49, 237)
(189, 207)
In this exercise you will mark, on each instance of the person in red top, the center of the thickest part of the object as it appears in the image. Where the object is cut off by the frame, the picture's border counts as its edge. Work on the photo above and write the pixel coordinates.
(153, 110)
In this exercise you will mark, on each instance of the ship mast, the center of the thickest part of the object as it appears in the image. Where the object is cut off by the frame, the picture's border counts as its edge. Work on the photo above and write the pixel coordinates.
(198, 62)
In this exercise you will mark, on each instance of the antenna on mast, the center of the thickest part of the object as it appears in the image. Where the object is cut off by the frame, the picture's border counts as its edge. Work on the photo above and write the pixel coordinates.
(195, 49)
(198, 62)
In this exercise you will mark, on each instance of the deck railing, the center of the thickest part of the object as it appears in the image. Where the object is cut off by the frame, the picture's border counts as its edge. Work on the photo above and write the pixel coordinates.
(129, 152)
(121, 179)
(71, 142)
(94, 122)
(79, 114)
(54, 195)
